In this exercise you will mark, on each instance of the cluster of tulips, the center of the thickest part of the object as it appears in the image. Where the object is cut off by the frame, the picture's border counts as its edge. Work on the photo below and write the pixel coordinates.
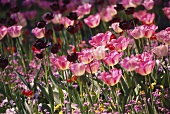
(84, 57)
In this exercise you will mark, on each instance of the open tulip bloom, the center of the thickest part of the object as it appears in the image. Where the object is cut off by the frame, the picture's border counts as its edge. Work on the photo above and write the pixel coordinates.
(85, 57)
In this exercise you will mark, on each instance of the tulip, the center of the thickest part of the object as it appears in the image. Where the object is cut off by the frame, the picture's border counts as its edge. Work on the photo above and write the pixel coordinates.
(83, 10)
(148, 4)
(112, 58)
(61, 62)
(129, 64)
(3, 32)
(145, 67)
(116, 27)
(78, 69)
(39, 32)
(66, 22)
(137, 33)
(161, 50)
(100, 39)
(85, 56)
(111, 78)
(120, 44)
(93, 67)
(99, 52)
(14, 31)
(107, 13)
(93, 20)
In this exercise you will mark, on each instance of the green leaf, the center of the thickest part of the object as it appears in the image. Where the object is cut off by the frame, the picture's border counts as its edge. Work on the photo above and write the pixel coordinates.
(23, 79)
(51, 98)
(61, 94)
(2, 109)
(35, 80)
(44, 92)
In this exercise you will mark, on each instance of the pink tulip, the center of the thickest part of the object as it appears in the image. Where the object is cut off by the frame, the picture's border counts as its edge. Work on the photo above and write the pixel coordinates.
(107, 13)
(140, 14)
(83, 10)
(120, 44)
(112, 58)
(94, 66)
(57, 18)
(167, 11)
(3, 32)
(93, 20)
(131, 3)
(148, 19)
(137, 33)
(100, 39)
(161, 50)
(14, 31)
(61, 62)
(66, 22)
(111, 78)
(145, 67)
(85, 56)
(38, 32)
(129, 64)
(163, 36)
(148, 4)
(99, 52)
(145, 56)
(78, 69)
(116, 27)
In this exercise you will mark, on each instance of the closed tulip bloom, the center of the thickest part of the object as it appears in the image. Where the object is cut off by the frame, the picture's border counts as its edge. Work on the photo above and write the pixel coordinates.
(161, 50)
(111, 78)
(129, 63)
(99, 52)
(116, 27)
(3, 32)
(61, 62)
(83, 10)
(78, 69)
(107, 13)
(93, 20)
(100, 39)
(85, 56)
(148, 4)
(93, 67)
(39, 32)
(66, 21)
(137, 33)
(14, 31)
(145, 68)
(112, 58)
(120, 44)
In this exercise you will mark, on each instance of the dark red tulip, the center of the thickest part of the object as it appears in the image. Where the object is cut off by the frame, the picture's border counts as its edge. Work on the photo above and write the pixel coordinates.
(3, 62)
(41, 24)
(73, 57)
(72, 16)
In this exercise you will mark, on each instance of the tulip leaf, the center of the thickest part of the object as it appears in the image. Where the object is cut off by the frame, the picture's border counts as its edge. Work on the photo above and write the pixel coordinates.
(61, 95)
(44, 92)
(51, 98)
(23, 79)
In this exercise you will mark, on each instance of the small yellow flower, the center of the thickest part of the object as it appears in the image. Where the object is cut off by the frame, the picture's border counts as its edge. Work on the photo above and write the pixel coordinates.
(161, 86)
(152, 85)
(139, 103)
(160, 93)
(58, 107)
(61, 112)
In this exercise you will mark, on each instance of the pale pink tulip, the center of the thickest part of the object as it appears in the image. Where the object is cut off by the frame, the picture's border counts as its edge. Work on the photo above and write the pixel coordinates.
(78, 69)
(99, 52)
(83, 10)
(129, 63)
(100, 39)
(111, 78)
(116, 27)
(85, 56)
(161, 50)
(137, 33)
(66, 22)
(112, 58)
(145, 68)
(108, 13)
(93, 20)
(94, 66)
(57, 18)
(14, 31)
(3, 32)
(148, 19)
(148, 4)
(38, 32)
(131, 3)
(61, 62)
